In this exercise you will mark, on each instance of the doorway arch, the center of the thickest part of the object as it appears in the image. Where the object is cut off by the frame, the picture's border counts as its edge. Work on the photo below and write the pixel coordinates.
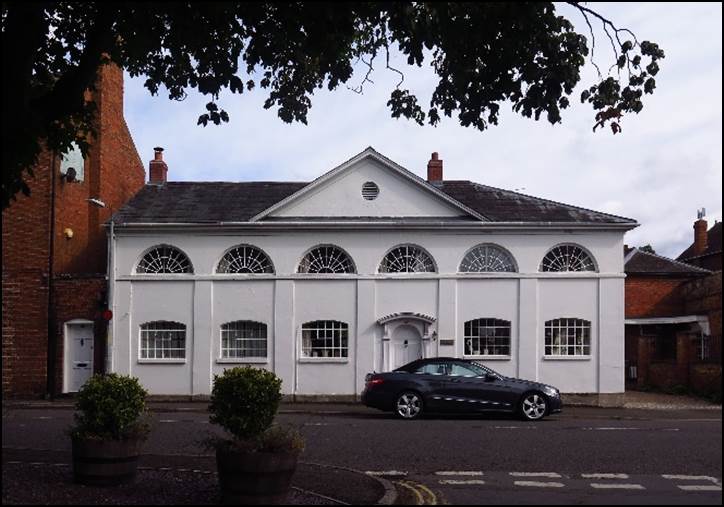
(406, 337)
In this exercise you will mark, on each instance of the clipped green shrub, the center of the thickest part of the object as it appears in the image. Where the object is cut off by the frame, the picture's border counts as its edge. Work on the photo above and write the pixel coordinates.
(111, 407)
(245, 400)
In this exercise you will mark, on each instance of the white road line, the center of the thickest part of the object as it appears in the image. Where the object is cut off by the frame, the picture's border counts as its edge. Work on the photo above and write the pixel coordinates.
(549, 475)
(515, 427)
(537, 484)
(690, 478)
(459, 482)
(616, 485)
(703, 487)
(462, 472)
(387, 473)
(43, 417)
(615, 428)
(168, 420)
(604, 476)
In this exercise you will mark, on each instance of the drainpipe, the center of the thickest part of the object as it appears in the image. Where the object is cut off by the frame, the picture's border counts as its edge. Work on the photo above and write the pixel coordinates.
(51, 366)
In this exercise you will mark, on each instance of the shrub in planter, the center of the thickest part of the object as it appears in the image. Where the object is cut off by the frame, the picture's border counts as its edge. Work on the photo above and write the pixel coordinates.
(109, 429)
(257, 463)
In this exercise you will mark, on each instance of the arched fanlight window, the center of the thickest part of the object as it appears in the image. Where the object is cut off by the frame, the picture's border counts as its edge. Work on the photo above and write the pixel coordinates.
(326, 259)
(164, 259)
(245, 259)
(488, 258)
(567, 258)
(407, 259)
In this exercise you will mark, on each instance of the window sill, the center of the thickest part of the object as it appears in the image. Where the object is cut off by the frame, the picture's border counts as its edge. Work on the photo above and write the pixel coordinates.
(162, 361)
(335, 360)
(242, 360)
(566, 358)
(488, 358)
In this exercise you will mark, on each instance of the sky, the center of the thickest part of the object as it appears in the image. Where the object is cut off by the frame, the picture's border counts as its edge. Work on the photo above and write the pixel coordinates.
(664, 166)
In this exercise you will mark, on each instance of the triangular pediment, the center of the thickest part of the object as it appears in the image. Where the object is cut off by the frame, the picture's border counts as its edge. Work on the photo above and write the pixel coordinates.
(368, 185)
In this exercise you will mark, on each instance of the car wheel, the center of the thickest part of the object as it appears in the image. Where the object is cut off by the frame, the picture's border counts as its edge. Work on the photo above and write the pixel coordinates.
(533, 406)
(409, 405)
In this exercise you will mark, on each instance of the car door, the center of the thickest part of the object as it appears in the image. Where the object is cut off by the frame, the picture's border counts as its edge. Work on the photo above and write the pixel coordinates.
(478, 389)
(433, 376)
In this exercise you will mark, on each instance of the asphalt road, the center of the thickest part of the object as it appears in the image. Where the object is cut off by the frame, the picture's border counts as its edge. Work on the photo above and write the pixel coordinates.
(582, 456)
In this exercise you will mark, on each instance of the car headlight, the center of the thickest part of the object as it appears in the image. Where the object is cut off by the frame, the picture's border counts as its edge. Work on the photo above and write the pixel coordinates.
(551, 391)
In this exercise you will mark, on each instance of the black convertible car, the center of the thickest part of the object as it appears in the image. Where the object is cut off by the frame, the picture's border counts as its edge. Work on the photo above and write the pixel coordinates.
(445, 384)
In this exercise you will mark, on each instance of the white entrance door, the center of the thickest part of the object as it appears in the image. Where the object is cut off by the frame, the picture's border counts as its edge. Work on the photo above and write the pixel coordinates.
(80, 354)
(406, 346)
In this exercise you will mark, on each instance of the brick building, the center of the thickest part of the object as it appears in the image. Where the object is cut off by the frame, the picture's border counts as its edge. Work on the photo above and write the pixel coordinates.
(706, 250)
(54, 253)
(673, 334)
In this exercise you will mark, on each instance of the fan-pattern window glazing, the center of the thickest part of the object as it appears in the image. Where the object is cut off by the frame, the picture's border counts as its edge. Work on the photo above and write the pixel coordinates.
(487, 337)
(407, 259)
(326, 259)
(164, 259)
(487, 258)
(163, 340)
(567, 258)
(243, 339)
(325, 338)
(568, 337)
(245, 259)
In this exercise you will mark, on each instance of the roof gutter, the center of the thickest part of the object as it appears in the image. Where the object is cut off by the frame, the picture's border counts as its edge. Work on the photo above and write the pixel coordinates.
(376, 225)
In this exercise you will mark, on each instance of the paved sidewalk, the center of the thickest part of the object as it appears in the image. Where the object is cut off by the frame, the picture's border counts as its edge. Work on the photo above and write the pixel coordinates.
(634, 400)
(660, 401)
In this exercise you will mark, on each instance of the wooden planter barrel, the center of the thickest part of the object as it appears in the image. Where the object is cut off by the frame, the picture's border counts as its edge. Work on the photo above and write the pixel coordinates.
(254, 478)
(105, 462)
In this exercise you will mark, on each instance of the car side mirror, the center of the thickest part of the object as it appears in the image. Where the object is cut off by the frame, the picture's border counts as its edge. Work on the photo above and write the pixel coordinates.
(489, 377)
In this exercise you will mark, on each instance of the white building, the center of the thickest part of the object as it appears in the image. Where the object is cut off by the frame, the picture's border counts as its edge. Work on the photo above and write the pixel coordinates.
(364, 269)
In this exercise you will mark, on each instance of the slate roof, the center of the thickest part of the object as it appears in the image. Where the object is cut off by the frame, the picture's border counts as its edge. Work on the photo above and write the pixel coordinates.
(714, 244)
(645, 263)
(213, 202)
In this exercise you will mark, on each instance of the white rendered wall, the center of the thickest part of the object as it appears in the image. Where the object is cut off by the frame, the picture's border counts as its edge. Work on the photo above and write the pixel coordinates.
(284, 301)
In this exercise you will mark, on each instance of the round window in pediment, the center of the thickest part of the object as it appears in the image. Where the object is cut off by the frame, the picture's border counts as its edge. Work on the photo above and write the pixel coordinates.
(370, 191)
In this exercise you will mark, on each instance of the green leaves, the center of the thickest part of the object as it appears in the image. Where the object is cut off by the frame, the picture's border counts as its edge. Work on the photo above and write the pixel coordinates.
(483, 55)
(245, 400)
(110, 407)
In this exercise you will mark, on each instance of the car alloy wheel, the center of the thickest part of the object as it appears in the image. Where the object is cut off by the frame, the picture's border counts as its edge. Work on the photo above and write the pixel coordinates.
(533, 406)
(409, 405)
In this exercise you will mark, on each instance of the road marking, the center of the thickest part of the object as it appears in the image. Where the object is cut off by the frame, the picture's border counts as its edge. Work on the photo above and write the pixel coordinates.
(616, 486)
(549, 475)
(454, 482)
(515, 427)
(387, 473)
(421, 492)
(168, 420)
(462, 472)
(604, 476)
(703, 487)
(538, 484)
(691, 478)
(614, 428)
(43, 417)
(715, 486)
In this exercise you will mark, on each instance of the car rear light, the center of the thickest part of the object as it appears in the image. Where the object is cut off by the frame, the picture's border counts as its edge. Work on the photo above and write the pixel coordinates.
(374, 382)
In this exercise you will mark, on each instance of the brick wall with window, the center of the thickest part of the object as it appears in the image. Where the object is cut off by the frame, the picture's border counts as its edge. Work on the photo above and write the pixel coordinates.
(113, 173)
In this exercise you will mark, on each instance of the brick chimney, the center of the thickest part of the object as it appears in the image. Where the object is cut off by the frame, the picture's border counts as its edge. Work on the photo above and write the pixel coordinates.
(157, 168)
(434, 170)
(701, 239)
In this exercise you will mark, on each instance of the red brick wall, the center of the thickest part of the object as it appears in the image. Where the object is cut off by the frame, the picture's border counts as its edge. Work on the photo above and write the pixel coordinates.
(25, 246)
(113, 173)
(654, 296)
(69, 306)
(703, 297)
